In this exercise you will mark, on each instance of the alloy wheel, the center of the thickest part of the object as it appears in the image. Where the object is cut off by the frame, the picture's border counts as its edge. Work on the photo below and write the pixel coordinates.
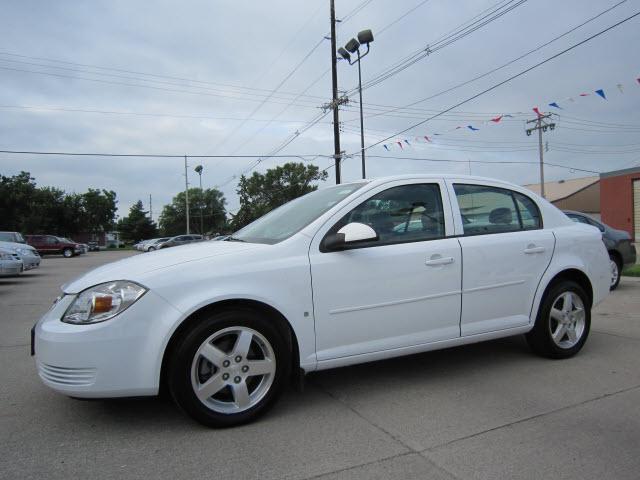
(233, 369)
(615, 272)
(567, 320)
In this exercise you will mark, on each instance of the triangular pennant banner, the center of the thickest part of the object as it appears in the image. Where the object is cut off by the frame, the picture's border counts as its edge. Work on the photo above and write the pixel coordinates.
(427, 139)
(385, 147)
(601, 93)
(497, 119)
(470, 127)
(537, 110)
(400, 144)
(555, 105)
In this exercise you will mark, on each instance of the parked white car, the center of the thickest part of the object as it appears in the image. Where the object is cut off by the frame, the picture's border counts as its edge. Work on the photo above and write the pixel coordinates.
(340, 276)
(10, 263)
(29, 255)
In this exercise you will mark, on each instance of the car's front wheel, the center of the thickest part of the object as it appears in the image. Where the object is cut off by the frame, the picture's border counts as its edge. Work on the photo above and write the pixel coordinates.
(230, 368)
(616, 268)
(563, 321)
(151, 249)
(67, 253)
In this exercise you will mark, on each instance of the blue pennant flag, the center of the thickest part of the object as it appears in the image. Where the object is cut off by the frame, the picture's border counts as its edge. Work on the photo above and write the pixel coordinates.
(601, 93)
(470, 127)
(554, 104)
(385, 147)
(407, 141)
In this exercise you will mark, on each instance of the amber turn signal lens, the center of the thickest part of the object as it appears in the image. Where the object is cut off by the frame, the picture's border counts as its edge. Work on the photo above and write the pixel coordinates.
(102, 303)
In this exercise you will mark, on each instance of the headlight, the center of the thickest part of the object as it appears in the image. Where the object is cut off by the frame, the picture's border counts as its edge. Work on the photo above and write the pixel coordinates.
(102, 302)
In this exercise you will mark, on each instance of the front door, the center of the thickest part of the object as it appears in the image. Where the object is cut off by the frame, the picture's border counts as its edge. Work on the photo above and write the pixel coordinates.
(505, 253)
(400, 290)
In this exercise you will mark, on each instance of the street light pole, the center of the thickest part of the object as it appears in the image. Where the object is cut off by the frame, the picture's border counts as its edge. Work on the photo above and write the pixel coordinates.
(365, 37)
(364, 173)
(199, 169)
(186, 190)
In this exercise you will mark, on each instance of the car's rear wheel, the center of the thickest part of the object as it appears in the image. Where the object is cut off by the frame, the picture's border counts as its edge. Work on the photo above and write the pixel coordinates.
(151, 249)
(616, 268)
(229, 369)
(563, 321)
(67, 253)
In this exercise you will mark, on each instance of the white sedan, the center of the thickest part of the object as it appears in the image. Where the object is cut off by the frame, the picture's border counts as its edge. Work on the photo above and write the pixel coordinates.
(347, 274)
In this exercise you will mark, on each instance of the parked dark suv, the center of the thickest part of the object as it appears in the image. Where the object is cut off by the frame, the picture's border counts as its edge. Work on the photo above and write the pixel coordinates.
(50, 244)
(618, 242)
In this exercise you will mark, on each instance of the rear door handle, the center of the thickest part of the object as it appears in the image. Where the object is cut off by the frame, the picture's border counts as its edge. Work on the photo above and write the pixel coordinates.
(437, 260)
(531, 249)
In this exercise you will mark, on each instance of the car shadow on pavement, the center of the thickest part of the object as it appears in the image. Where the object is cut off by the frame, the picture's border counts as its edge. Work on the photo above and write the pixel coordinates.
(149, 412)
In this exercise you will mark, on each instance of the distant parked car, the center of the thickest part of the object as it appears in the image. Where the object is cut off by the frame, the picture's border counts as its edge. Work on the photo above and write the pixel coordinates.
(180, 240)
(29, 255)
(93, 246)
(52, 245)
(15, 237)
(10, 263)
(220, 238)
(621, 250)
(152, 245)
(82, 247)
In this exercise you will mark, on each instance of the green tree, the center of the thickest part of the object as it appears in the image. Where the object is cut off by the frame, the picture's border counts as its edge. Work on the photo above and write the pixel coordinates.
(16, 196)
(262, 192)
(137, 225)
(98, 210)
(210, 202)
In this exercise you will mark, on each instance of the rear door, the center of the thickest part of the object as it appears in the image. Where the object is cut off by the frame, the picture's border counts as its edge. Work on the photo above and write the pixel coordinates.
(505, 251)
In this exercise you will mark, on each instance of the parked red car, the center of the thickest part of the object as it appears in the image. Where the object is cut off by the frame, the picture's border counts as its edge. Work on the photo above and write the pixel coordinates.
(50, 244)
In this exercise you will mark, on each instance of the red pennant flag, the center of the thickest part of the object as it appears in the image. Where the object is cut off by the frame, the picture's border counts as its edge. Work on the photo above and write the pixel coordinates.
(458, 127)
(584, 94)
(535, 109)
(638, 79)
(401, 147)
(427, 139)
(497, 119)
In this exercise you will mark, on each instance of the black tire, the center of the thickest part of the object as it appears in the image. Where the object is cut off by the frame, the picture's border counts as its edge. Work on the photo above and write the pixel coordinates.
(540, 337)
(151, 249)
(179, 374)
(618, 264)
(67, 253)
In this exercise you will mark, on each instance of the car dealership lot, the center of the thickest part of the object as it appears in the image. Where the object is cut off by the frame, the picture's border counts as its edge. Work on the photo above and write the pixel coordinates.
(490, 410)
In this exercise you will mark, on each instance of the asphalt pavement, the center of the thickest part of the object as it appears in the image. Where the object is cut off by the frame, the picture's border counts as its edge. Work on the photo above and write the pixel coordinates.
(485, 411)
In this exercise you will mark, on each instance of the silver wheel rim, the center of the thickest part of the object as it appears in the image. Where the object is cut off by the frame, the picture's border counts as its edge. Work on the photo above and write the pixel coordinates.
(614, 272)
(233, 370)
(67, 253)
(567, 320)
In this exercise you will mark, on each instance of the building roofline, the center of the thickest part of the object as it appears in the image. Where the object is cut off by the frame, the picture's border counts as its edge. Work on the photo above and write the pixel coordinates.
(624, 171)
(597, 180)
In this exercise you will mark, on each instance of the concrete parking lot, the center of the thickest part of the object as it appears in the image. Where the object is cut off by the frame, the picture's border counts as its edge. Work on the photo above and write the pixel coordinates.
(486, 411)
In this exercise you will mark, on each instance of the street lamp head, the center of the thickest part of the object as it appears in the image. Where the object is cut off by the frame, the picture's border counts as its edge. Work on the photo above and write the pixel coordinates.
(198, 169)
(352, 45)
(365, 37)
(344, 54)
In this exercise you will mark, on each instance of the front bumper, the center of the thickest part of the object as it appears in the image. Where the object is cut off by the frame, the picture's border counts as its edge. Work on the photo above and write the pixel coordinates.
(120, 357)
(31, 262)
(11, 267)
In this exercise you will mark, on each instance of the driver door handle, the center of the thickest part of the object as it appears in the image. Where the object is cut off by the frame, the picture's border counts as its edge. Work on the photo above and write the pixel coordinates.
(437, 260)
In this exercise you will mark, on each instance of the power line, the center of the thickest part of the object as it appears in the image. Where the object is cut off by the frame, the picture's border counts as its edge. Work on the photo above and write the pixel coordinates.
(504, 65)
(512, 77)
(153, 155)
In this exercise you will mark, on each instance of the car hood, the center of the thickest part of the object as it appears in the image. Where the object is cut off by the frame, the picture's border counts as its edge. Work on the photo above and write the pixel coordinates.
(15, 246)
(140, 265)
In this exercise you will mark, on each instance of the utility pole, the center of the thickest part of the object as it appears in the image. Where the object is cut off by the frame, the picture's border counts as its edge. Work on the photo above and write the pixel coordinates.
(543, 122)
(186, 190)
(334, 81)
(150, 209)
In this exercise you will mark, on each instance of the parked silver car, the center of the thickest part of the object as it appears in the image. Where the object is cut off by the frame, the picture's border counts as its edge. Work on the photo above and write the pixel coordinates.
(151, 245)
(180, 240)
(29, 255)
(10, 263)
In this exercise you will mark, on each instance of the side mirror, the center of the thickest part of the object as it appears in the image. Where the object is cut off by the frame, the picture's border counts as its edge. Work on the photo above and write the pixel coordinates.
(350, 234)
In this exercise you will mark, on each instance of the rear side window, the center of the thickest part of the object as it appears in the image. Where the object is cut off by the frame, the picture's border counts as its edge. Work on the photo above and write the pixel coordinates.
(529, 212)
(488, 210)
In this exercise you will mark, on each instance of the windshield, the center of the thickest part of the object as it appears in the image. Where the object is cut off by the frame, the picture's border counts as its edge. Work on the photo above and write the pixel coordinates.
(11, 237)
(284, 221)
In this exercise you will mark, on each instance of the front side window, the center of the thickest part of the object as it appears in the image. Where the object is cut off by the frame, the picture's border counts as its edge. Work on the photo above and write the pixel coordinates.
(487, 210)
(578, 218)
(408, 213)
(288, 219)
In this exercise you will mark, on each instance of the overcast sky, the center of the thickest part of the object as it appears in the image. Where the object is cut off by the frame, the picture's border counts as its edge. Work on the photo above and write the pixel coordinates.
(197, 78)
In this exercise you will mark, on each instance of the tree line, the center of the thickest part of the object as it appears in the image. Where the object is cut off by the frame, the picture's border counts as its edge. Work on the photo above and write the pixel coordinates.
(30, 209)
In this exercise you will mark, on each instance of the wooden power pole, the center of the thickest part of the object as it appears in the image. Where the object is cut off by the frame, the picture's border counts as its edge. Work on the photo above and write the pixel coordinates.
(334, 82)
(542, 123)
